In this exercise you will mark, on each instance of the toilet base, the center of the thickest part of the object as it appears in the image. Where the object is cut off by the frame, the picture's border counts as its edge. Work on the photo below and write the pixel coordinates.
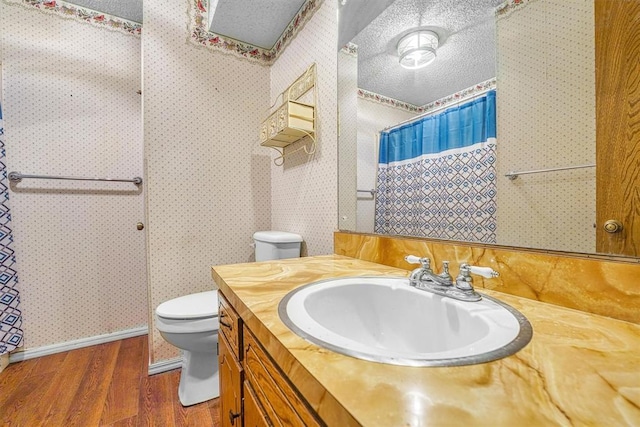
(199, 380)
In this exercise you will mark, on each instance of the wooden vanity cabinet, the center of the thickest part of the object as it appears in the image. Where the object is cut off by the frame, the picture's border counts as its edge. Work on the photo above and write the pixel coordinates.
(253, 390)
(230, 383)
(282, 403)
(231, 375)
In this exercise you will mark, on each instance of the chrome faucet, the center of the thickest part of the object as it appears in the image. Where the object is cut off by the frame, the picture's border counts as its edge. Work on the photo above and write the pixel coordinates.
(424, 273)
(426, 279)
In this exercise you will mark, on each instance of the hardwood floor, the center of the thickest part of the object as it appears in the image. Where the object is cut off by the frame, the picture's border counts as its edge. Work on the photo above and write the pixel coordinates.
(102, 385)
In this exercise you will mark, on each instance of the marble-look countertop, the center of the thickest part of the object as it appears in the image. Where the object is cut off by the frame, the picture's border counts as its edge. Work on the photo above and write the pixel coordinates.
(579, 368)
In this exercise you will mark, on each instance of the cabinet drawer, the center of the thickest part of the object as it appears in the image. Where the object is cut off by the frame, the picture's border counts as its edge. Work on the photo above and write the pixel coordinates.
(229, 325)
(281, 402)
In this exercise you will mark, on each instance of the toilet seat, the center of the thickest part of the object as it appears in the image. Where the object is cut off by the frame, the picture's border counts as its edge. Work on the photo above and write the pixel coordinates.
(189, 314)
(187, 326)
(193, 306)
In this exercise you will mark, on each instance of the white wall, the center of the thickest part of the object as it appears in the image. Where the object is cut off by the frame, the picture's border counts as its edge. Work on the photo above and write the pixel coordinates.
(372, 118)
(347, 139)
(209, 182)
(546, 63)
(71, 108)
(304, 190)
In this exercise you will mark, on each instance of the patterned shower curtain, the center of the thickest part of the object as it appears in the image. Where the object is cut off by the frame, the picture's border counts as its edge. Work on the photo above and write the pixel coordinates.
(10, 315)
(436, 175)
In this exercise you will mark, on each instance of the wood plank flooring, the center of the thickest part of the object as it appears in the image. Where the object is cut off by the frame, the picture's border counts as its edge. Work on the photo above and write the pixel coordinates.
(102, 385)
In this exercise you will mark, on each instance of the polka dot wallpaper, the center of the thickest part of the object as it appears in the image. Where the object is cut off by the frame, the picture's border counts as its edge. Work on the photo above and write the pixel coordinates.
(347, 139)
(546, 64)
(209, 181)
(304, 196)
(372, 118)
(71, 108)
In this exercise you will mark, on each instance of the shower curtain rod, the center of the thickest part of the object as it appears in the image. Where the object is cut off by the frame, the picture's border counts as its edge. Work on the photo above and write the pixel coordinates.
(17, 177)
(435, 110)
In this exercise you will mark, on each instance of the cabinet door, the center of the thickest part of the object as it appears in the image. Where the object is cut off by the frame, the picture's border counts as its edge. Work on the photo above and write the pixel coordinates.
(617, 125)
(230, 386)
(253, 414)
(282, 404)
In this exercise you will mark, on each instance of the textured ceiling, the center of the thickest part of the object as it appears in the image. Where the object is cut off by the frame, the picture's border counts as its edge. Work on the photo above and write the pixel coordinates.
(355, 15)
(466, 55)
(257, 22)
(127, 9)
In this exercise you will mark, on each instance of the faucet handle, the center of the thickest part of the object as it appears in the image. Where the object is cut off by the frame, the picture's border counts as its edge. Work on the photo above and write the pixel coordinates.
(412, 259)
(487, 272)
(464, 280)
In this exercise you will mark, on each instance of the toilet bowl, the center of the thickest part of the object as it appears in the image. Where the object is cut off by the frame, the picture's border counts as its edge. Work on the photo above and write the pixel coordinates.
(191, 323)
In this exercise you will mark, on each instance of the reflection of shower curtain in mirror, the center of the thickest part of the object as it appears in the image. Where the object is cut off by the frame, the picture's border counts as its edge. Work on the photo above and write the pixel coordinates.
(10, 315)
(436, 175)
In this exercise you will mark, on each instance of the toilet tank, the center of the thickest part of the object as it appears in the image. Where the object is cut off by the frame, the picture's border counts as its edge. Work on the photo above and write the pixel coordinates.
(276, 245)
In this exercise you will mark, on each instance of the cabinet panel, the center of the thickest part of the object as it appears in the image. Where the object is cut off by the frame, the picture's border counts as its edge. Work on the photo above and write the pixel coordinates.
(281, 401)
(252, 412)
(230, 386)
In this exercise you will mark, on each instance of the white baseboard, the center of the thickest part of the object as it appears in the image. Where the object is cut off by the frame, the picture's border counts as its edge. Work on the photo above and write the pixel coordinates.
(32, 353)
(165, 365)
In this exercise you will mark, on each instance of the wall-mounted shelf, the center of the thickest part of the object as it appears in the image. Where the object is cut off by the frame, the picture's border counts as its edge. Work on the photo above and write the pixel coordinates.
(294, 119)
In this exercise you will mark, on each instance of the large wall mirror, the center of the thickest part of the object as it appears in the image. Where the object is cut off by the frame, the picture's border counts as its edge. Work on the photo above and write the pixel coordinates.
(548, 90)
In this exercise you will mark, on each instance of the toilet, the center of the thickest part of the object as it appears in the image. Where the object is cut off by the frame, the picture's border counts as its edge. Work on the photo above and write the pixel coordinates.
(272, 245)
(191, 323)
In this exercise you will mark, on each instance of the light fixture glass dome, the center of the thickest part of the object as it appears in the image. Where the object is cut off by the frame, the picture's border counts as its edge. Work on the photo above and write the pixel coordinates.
(417, 49)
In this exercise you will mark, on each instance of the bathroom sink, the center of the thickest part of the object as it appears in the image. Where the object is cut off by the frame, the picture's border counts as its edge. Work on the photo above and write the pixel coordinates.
(383, 319)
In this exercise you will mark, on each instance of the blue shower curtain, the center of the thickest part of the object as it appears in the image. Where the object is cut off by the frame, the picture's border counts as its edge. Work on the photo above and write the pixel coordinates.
(436, 175)
(10, 315)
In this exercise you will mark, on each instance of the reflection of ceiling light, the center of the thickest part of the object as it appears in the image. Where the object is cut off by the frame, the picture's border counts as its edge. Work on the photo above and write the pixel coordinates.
(417, 49)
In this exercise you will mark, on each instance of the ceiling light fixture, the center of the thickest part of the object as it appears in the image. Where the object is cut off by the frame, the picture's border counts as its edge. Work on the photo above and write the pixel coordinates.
(417, 49)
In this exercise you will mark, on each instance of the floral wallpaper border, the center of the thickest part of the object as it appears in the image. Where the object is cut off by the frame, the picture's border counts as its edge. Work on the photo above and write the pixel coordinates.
(509, 6)
(461, 95)
(350, 49)
(200, 36)
(384, 100)
(70, 11)
(442, 102)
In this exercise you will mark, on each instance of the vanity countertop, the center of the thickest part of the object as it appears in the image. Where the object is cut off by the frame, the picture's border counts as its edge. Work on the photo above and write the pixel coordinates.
(579, 368)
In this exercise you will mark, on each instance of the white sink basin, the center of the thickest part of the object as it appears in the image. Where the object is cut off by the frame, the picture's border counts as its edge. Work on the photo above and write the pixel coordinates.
(383, 319)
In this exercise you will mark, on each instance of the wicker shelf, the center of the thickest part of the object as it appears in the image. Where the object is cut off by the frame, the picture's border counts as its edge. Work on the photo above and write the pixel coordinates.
(293, 119)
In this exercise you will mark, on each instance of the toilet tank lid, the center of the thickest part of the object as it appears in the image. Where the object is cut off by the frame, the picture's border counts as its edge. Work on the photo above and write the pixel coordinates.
(276, 237)
(202, 304)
